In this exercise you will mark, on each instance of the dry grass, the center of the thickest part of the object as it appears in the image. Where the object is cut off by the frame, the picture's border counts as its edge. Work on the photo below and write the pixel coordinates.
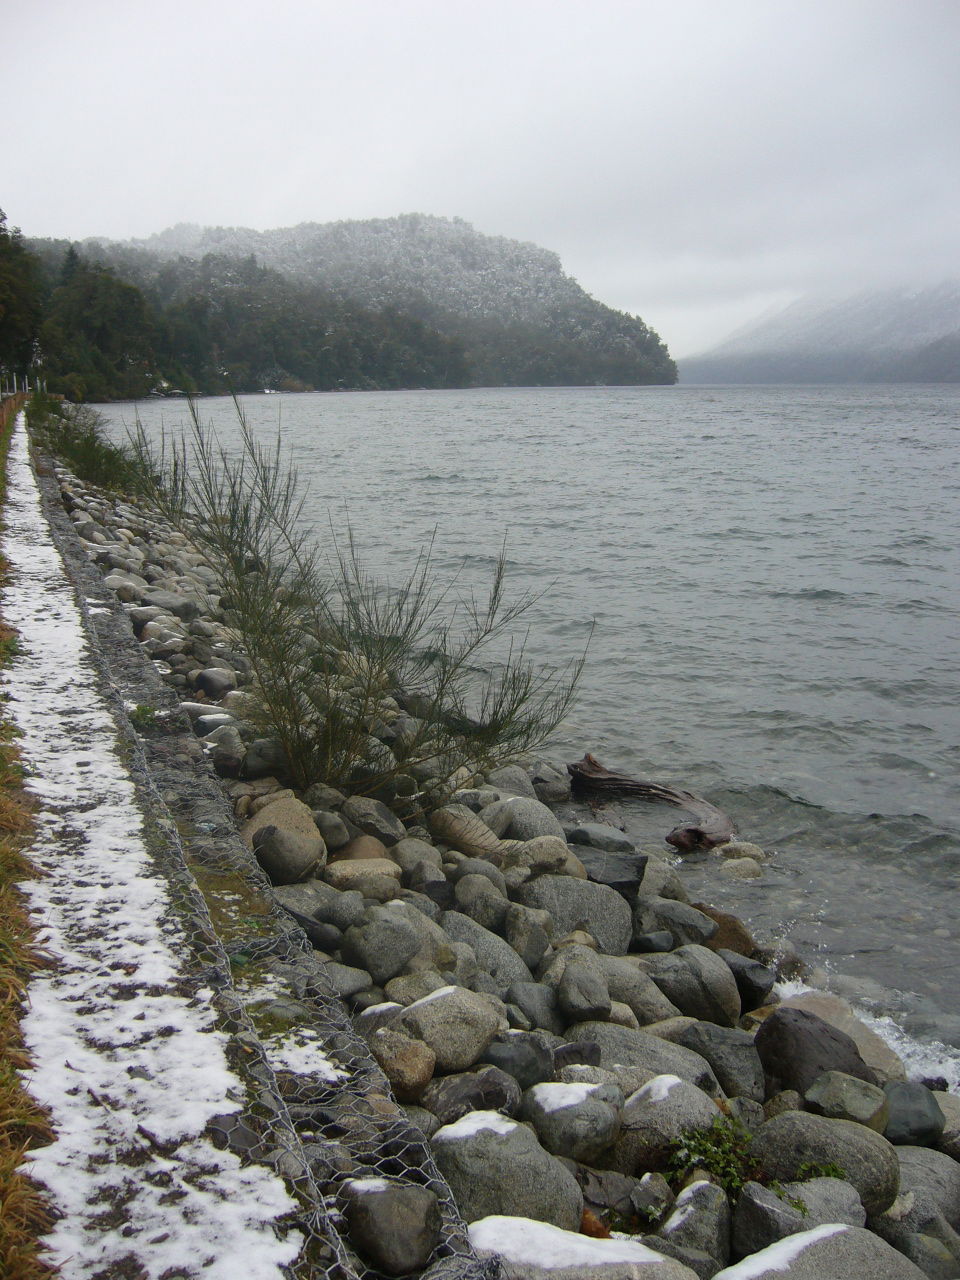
(24, 1216)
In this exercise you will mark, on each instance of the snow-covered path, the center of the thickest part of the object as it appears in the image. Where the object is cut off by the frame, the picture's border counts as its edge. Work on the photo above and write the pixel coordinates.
(128, 1058)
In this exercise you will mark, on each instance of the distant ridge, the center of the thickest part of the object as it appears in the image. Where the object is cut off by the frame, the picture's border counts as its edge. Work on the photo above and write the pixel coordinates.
(520, 318)
(889, 335)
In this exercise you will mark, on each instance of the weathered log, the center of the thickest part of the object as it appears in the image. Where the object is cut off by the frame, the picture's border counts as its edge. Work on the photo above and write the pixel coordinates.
(712, 827)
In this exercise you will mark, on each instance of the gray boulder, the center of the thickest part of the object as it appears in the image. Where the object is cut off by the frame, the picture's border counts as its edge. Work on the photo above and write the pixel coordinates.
(538, 1002)
(374, 819)
(578, 1121)
(829, 1252)
(843, 1097)
(761, 1216)
(382, 945)
(700, 1221)
(494, 955)
(697, 982)
(528, 931)
(794, 1139)
(522, 1250)
(550, 785)
(623, 1045)
(485, 1088)
(513, 779)
(932, 1176)
(598, 835)
(632, 986)
(456, 1024)
(684, 923)
(288, 856)
(796, 1046)
(521, 818)
(655, 1118)
(731, 1053)
(395, 1226)
(525, 1057)
(581, 904)
(495, 1166)
(915, 1118)
(582, 994)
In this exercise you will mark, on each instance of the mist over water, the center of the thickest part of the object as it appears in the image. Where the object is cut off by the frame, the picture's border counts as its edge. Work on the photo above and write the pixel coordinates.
(773, 574)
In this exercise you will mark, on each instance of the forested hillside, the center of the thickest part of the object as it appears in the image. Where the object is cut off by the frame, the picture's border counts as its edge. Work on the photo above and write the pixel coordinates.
(402, 302)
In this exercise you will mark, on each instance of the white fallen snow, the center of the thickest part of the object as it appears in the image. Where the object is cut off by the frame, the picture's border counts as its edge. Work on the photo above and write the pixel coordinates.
(657, 1089)
(126, 1055)
(557, 1097)
(472, 1123)
(777, 1257)
(530, 1243)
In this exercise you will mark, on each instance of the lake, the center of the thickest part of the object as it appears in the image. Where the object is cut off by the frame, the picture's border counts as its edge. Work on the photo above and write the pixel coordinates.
(772, 577)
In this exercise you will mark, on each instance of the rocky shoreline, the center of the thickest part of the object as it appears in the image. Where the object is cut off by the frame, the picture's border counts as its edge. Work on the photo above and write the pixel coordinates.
(572, 1042)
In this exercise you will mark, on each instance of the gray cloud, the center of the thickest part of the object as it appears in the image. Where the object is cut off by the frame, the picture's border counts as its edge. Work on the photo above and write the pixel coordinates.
(691, 162)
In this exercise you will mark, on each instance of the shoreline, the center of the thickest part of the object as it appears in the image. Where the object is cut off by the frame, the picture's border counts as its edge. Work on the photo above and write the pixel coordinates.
(416, 867)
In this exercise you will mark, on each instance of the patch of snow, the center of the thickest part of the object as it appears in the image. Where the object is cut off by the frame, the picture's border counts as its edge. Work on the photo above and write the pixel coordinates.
(530, 1243)
(557, 1097)
(301, 1051)
(657, 1089)
(475, 1122)
(126, 1054)
(364, 1185)
(777, 1257)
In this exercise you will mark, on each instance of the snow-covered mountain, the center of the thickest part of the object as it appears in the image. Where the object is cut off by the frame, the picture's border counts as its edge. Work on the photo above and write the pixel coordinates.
(888, 335)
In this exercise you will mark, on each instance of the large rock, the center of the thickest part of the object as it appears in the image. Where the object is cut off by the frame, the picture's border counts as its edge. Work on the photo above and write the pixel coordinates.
(407, 1063)
(394, 1225)
(286, 856)
(623, 1045)
(874, 1051)
(520, 818)
(374, 819)
(933, 1176)
(797, 1046)
(655, 1118)
(485, 1088)
(830, 1252)
(754, 980)
(795, 1139)
(915, 1118)
(632, 986)
(700, 1221)
(286, 813)
(581, 904)
(684, 923)
(456, 1024)
(732, 1054)
(531, 1251)
(842, 1097)
(382, 945)
(494, 1165)
(494, 955)
(527, 1058)
(578, 1121)
(697, 982)
(373, 877)
(761, 1216)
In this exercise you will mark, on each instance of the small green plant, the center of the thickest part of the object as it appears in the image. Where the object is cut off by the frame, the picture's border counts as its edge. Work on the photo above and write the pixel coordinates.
(331, 646)
(724, 1150)
(74, 433)
(142, 715)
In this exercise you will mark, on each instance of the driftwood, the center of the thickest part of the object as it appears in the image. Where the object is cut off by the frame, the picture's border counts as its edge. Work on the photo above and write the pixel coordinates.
(712, 827)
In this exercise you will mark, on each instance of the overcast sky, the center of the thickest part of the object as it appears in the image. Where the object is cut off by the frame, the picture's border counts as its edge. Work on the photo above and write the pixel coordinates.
(692, 161)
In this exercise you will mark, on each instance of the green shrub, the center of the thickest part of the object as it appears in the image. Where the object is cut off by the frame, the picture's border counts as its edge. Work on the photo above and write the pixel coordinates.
(73, 433)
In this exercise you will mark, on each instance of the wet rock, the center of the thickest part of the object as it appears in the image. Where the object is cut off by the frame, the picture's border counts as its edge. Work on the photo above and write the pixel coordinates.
(495, 1166)
(754, 980)
(394, 1225)
(796, 1047)
(684, 923)
(485, 1088)
(876, 1053)
(915, 1118)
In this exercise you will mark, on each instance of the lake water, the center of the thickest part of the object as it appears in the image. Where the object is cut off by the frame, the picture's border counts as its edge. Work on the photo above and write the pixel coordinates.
(773, 577)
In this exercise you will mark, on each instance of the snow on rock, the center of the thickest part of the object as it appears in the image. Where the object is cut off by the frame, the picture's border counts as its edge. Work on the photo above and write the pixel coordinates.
(527, 1242)
(778, 1257)
(557, 1097)
(474, 1122)
(127, 1058)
